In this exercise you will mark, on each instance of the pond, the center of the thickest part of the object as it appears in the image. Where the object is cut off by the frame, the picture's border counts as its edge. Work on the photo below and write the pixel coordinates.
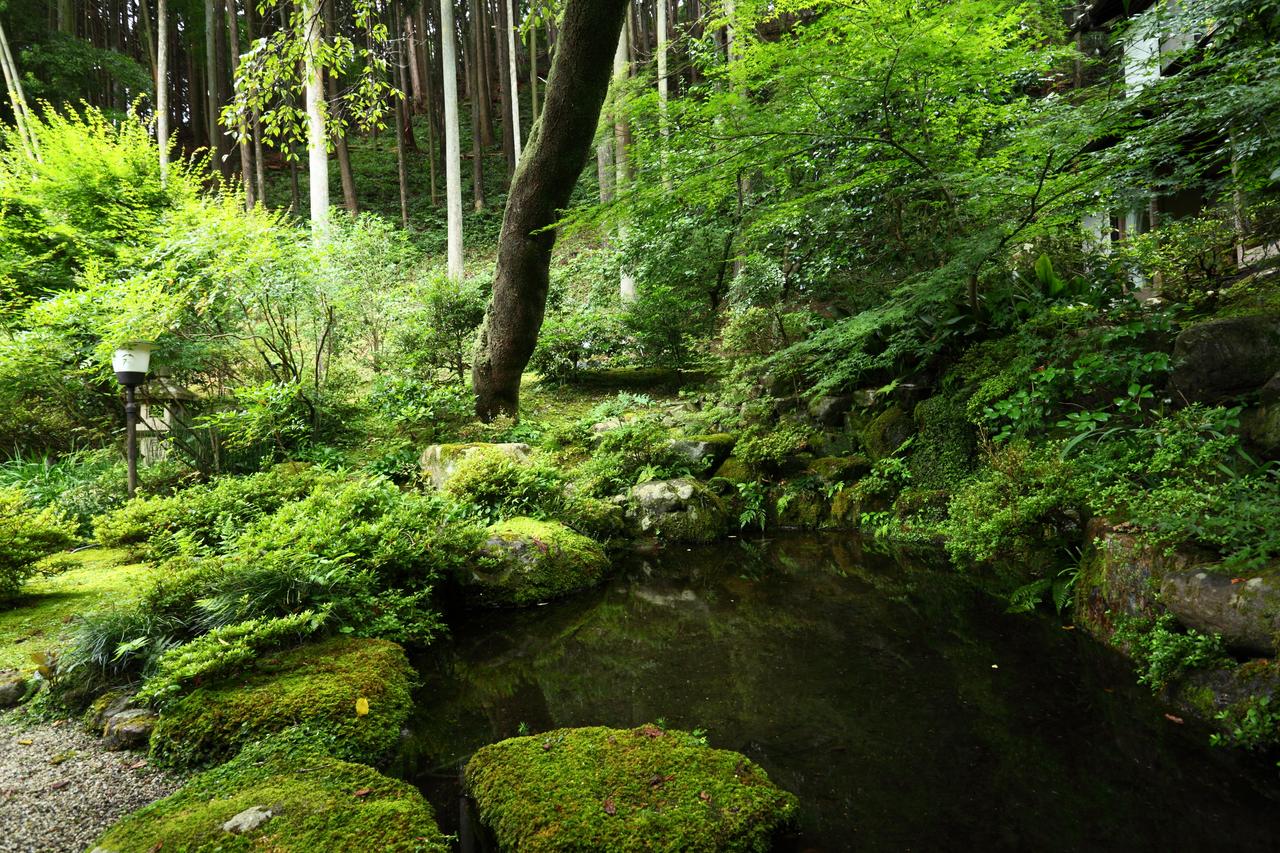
(902, 706)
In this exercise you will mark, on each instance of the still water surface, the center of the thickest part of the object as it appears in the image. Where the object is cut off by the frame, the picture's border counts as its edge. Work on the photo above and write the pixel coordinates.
(905, 709)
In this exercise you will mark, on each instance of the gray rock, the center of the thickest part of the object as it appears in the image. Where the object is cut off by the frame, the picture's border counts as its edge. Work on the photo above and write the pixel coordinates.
(1218, 359)
(1270, 392)
(705, 453)
(248, 820)
(606, 425)
(13, 688)
(439, 461)
(1246, 613)
(680, 510)
(1260, 425)
(830, 411)
(865, 398)
(129, 729)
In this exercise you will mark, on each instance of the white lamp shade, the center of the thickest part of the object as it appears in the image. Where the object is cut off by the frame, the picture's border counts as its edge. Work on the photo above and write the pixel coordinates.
(132, 359)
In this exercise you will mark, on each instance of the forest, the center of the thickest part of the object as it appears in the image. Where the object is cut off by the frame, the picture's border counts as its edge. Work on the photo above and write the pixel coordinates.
(717, 425)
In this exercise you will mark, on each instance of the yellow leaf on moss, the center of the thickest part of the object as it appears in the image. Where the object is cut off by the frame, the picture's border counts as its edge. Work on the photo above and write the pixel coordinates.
(362, 706)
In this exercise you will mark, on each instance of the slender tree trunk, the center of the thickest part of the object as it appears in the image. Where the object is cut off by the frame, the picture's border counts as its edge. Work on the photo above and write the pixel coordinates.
(477, 94)
(18, 100)
(415, 75)
(452, 155)
(402, 117)
(622, 140)
(505, 96)
(211, 80)
(148, 36)
(67, 17)
(511, 66)
(486, 86)
(533, 74)
(542, 186)
(433, 129)
(663, 88)
(317, 143)
(246, 158)
(259, 170)
(162, 85)
(340, 145)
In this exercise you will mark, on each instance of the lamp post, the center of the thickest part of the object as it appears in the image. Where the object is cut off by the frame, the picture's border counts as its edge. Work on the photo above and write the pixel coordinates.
(130, 363)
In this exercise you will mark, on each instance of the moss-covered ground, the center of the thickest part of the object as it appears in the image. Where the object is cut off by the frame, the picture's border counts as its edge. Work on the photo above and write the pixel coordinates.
(604, 789)
(318, 685)
(317, 803)
(40, 619)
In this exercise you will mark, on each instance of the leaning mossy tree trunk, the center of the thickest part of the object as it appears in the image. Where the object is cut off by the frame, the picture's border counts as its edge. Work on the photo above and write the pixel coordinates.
(544, 180)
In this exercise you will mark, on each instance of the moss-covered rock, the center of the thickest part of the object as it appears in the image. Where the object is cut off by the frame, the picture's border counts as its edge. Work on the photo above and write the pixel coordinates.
(439, 461)
(1222, 358)
(604, 789)
(315, 802)
(735, 470)
(1120, 577)
(887, 432)
(945, 444)
(833, 470)
(705, 453)
(680, 510)
(797, 509)
(317, 685)
(1244, 611)
(524, 561)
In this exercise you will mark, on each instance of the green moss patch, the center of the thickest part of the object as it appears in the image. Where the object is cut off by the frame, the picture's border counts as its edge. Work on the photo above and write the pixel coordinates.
(607, 789)
(889, 431)
(40, 618)
(524, 561)
(316, 802)
(317, 685)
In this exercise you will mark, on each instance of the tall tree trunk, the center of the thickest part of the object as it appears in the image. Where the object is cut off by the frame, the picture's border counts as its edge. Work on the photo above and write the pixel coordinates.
(162, 84)
(541, 189)
(402, 118)
(211, 80)
(67, 17)
(259, 171)
(622, 140)
(477, 94)
(17, 99)
(505, 96)
(452, 154)
(663, 87)
(148, 36)
(242, 129)
(433, 128)
(415, 73)
(317, 150)
(486, 87)
(340, 145)
(533, 74)
(511, 66)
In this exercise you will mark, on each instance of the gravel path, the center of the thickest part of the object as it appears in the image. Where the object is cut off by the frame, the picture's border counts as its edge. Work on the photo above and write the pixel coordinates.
(59, 789)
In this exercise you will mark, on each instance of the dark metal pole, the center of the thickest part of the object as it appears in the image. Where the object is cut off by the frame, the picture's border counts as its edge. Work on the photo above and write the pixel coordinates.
(131, 437)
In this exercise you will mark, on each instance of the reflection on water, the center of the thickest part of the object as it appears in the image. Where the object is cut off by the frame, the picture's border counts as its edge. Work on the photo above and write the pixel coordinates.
(906, 710)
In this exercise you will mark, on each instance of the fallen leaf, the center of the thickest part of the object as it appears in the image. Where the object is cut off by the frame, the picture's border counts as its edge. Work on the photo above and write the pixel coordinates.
(362, 707)
(609, 807)
(659, 780)
(1237, 580)
(156, 847)
(1068, 627)
(1171, 718)
(363, 792)
(26, 742)
(704, 796)
(138, 765)
(58, 786)
(546, 746)
(651, 731)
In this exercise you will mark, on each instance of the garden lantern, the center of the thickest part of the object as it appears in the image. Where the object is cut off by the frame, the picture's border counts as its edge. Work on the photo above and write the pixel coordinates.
(131, 363)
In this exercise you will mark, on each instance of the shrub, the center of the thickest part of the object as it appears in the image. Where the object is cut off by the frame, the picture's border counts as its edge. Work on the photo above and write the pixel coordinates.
(224, 651)
(635, 452)
(500, 487)
(763, 448)
(26, 535)
(212, 515)
(575, 339)
(1162, 653)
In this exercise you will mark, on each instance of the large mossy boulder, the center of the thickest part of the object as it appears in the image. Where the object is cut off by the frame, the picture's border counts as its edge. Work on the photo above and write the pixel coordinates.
(1219, 359)
(704, 453)
(679, 510)
(1120, 577)
(526, 561)
(945, 447)
(439, 461)
(317, 685)
(283, 794)
(1244, 610)
(606, 790)
(887, 432)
